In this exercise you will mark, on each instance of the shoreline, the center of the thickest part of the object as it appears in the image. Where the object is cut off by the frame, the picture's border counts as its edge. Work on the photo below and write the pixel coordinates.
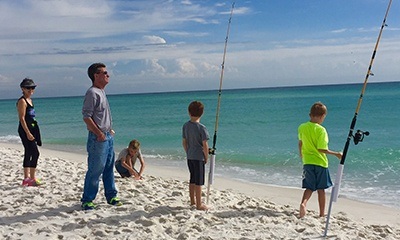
(160, 202)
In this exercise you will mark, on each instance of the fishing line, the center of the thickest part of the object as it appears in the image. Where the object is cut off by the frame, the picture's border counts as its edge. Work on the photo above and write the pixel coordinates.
(212, 150)
(359, 136)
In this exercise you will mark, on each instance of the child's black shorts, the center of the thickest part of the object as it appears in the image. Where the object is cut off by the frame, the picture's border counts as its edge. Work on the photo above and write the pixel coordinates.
(197, 170)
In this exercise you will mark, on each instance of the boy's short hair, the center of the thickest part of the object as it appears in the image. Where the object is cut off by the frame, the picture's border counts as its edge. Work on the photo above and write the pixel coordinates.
(318, 109)
(134, 144)
(196, 109)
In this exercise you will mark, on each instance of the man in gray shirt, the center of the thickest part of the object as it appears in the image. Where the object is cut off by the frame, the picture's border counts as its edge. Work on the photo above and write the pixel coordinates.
(100, 144)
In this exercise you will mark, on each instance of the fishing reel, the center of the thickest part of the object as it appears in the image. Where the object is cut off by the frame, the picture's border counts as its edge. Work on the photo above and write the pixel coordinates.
(211, 151)
(359, 136)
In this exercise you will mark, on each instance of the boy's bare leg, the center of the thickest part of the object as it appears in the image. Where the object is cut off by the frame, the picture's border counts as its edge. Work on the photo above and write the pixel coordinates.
(199, 204)
(306, 196)
(191, 194)
(321, 201)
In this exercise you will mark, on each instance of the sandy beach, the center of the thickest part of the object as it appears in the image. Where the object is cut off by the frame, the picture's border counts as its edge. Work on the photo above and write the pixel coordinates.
(158, 207)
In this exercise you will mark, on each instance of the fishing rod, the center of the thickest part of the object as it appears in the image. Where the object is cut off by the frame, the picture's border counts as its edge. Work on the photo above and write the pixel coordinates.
(212, 150)
(359, 135)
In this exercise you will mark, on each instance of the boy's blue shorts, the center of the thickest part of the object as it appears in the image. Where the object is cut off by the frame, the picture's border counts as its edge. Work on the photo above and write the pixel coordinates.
(316, 177)
(197, 171)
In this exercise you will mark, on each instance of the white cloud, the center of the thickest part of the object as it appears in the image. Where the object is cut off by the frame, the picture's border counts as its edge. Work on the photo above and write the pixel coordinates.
(154, 67)
(238, 11)
(339, 30)
(154, 40)
(174, 43)
(71, 8)
(186, 66)
(186, 2)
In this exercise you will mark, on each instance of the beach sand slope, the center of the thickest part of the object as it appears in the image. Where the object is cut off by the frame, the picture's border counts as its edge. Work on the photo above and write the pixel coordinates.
(154, 208)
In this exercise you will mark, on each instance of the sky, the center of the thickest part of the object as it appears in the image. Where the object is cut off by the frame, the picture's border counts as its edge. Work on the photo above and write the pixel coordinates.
(177, 45)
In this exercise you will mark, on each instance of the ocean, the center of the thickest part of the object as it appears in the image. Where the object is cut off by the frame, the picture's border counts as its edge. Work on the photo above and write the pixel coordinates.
(257, 132)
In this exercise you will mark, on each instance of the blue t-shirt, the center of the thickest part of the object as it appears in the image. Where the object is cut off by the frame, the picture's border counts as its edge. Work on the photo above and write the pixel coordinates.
(194, 133)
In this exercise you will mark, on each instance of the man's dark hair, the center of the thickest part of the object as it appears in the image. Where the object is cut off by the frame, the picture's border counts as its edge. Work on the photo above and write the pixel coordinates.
(94, 68)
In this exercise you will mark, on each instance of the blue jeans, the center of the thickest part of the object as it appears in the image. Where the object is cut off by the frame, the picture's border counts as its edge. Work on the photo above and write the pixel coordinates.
(101, 159)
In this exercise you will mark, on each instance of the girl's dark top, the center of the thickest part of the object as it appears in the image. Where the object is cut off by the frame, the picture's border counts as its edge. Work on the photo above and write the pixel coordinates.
(31, 122)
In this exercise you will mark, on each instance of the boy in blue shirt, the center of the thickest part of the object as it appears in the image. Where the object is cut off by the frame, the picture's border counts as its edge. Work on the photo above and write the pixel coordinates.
(194, 142)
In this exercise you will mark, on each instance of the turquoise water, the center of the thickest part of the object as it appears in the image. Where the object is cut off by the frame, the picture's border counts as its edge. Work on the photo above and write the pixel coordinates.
(257, 133)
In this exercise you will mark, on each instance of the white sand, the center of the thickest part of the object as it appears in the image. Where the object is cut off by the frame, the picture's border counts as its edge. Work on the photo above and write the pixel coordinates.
(158, 207)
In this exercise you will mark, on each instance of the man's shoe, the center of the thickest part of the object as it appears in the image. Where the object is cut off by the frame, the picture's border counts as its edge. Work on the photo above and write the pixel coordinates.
(88, 206)
(115, 201)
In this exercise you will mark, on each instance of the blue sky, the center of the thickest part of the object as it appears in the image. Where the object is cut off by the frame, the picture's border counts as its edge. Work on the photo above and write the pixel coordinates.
(167, 45)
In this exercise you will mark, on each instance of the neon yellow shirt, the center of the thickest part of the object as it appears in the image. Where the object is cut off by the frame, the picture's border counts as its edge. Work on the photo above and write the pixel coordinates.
(313, 137)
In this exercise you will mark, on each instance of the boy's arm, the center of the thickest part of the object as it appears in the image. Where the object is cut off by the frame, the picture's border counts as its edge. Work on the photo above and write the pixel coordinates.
(184, 145)
(205, 150)
(300, 145)
(327, 151)
(126, 163)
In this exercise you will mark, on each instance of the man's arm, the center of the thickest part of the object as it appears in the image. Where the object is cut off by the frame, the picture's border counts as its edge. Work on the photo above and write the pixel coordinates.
(91, 126)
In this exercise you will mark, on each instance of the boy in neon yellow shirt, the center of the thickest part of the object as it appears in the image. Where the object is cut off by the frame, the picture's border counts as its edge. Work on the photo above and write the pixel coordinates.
(313, 147)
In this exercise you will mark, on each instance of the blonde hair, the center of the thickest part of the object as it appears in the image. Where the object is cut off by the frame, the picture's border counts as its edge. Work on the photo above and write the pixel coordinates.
(134, 144)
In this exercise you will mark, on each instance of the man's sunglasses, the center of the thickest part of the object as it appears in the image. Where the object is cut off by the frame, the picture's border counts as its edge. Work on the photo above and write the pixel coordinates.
(105, 73)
